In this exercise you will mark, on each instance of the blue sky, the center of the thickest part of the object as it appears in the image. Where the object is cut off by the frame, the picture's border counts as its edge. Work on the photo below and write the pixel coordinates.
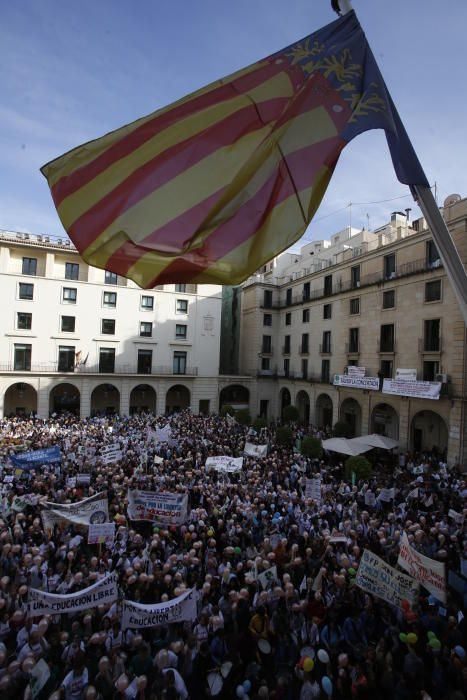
(73, 71)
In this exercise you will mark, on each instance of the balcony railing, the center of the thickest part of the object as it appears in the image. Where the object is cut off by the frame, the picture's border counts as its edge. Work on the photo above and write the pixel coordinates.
(288, 374)
(430, 345)
(352, 348)
(325, 349)
(52, 368)
(266, 351)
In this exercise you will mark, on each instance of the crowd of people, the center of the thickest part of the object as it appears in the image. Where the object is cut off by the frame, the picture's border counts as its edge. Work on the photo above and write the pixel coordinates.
(307, 632)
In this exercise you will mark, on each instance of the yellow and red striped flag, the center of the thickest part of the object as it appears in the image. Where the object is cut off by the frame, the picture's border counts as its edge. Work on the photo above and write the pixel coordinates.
(213, 186)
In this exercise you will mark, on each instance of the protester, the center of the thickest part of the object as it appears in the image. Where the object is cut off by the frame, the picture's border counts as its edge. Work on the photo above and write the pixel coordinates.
(268, 581)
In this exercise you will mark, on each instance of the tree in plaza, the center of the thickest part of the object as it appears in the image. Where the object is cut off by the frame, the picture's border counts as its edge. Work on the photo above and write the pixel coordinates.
(360, 466)
(243, 416)
(341, 429)
(227, 409)
(260, 423)
(290, 414)
(311, 447)
(284, 435)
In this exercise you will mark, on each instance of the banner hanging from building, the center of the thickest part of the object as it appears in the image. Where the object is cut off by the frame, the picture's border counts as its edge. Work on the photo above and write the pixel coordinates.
(164, 508)
(252, 450)
(430, 573)
(406, 375)
(225, 464)
(415, 389)
(94, 509)
(355, 371)
(180, 609)
(380, 579)
(356, 382)
(35, 458)
(100, 593)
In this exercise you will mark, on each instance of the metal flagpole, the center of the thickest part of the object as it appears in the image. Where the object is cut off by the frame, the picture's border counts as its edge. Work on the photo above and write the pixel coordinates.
(424, 198)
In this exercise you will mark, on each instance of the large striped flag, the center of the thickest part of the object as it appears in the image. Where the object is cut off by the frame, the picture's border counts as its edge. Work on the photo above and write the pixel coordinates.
(211, 187)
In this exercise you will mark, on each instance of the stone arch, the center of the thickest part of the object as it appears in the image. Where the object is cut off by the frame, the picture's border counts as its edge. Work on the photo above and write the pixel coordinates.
(177, 398)
(105, 400)
(324, 411)
(285, 399)
(351, 413)
(20, 399)
(234, 395)
(428, 430)
(143, 398)
(64, 398)
(385, 421)
(302, 402)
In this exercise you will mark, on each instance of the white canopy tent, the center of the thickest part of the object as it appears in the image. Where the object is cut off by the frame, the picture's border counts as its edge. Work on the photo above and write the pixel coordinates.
(375, 440)
(346, 446)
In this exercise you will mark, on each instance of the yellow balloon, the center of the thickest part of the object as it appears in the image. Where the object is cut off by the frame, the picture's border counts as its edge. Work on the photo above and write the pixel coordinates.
(308, 664)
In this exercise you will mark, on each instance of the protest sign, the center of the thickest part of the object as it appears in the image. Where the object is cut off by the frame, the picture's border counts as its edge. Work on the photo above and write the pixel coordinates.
(35, 458)
(457, 517)
(430, 573)
(71, 482)
(84, 479)
(252, 450)
(413, 493)
(40, 674)
(180, 609)
(313, 489)
(267, 577)
(101, 533)
(158, 460)
(94, 509)
(163, 507)
(338, 539)
(383, 581)
(224, 463)
(100, 593)
(111, 453)
(370, 498)
(386, 494)
(419, 390)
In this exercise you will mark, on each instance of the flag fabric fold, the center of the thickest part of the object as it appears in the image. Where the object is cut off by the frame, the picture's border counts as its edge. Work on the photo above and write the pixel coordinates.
(213, 186)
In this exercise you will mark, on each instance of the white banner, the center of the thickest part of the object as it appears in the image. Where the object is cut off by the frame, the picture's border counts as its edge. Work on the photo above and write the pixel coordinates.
(383, 581)
(163, 507)
(370, 498)
(101, 593)
(313, 489)
(386, 494)
(253, 450)
(457, 517)
(430, 573)
(357, 382)
(110, 454)
(139, 616)
(225, 464)
(406, 375)
(163, 434)
(355, 371)
(40, 674)
(101, 533)
(419, 390)
(94, 509)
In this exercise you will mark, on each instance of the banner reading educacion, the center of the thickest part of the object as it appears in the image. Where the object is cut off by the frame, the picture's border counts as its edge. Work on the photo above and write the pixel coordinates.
(383, 581)
(430, 573)
(180, 609)
(162, 507)
(356, 382)
(100, 593)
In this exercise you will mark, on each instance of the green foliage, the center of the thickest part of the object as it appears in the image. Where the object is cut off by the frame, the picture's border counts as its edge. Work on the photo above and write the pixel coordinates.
(290, 414)
(226, 408)
(259, 423)
(341, 429)
(360, 466)
(284, 435)
(243, 416)
(311, 447)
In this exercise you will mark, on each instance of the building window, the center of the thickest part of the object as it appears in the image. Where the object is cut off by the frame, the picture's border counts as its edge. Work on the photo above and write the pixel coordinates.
(327, 285)
(66, 358)
(306, 316)
(432, 339)
(267, 319)
(288, 319)
(267, 299)
(182, 306)
(204, 407)
(108, 326)
(107, 360)
(110, 277)
(432, 255)
(265, 363)
(389, 299)
(179, 362)
(286, 367)
(23, 321)
(305, 369)
(353, 339)
(386, 339)
(433, 290)
(69, 295)
(326, 346)
(305, 347)
(181, 288)
(263, 408)
(390, 266)
(110, 300)
(430, 370)
(68, 324)
(22, 360)
(180, 331)
(29, 266)
(306, 291)
(144, 361)
(71, 271)
(145, 329)
(327, 311)
(354, 306)
(147, 303)
(355, 276)
(26, 291)
(288, 296)
(325, 371)
(386, 369)
(287, 344)
(266, 344)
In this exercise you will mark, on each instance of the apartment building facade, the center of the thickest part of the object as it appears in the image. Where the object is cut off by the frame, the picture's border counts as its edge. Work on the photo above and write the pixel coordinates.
(323, 329)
